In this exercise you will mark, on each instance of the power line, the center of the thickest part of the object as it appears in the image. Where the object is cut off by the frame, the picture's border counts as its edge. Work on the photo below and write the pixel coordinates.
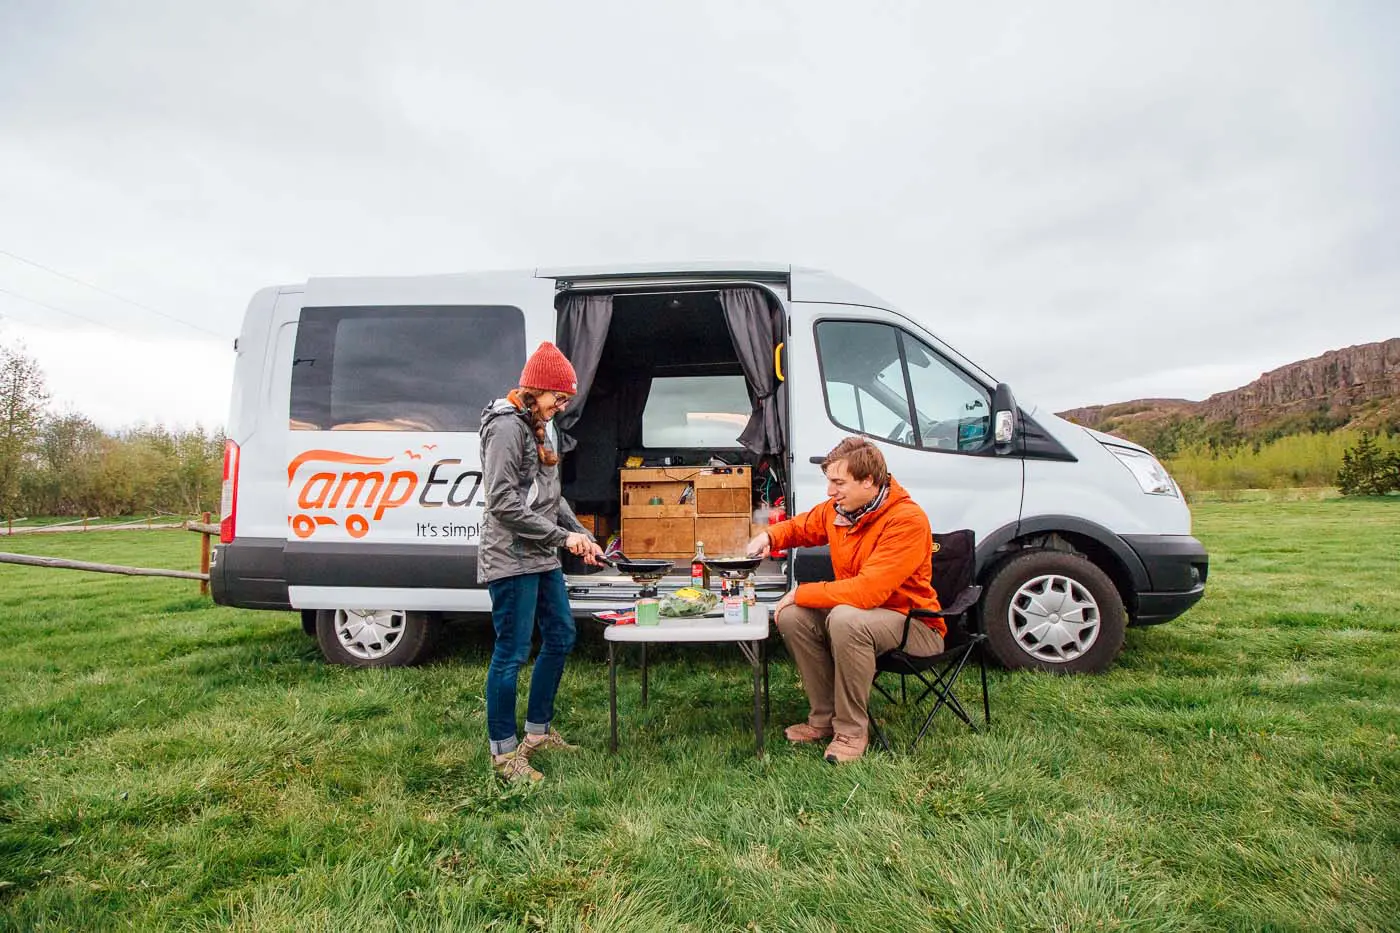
(109, 294)
(81, 317)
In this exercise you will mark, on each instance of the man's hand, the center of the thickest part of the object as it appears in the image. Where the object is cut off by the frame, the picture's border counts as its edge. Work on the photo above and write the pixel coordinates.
(789, 599)
(581, 545)
(758, 547)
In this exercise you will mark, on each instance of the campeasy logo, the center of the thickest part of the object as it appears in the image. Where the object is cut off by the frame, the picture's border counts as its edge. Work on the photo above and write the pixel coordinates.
(335, 491)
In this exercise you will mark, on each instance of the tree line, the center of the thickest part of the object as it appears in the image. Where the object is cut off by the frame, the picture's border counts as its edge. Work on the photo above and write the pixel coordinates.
(62, 463)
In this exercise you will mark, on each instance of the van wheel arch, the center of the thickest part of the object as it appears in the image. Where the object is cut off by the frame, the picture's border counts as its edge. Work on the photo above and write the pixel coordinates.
(1103, 548)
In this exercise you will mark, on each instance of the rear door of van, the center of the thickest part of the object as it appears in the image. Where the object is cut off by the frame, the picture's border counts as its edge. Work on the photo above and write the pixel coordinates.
(385, 381)
(873, 372)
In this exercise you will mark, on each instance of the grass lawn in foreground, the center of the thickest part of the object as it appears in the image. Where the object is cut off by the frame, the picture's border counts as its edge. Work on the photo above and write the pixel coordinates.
(165, 763)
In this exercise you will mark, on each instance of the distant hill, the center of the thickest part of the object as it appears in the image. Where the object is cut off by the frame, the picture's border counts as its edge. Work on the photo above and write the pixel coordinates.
(1356, 387)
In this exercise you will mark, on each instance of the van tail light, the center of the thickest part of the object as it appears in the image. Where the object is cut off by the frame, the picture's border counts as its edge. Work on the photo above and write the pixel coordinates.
(228, 504)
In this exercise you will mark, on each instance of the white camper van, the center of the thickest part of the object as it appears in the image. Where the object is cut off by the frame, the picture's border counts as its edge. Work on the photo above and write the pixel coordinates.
(352, 483)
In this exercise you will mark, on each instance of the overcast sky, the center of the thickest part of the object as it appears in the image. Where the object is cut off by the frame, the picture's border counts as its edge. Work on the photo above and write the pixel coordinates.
(1094, 201)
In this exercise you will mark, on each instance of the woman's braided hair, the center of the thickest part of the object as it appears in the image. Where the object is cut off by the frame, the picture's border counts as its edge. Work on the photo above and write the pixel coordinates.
(529, 400)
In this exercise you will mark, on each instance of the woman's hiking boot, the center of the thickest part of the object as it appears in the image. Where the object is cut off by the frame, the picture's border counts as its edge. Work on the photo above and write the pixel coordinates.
(550, 741)
(514, 768)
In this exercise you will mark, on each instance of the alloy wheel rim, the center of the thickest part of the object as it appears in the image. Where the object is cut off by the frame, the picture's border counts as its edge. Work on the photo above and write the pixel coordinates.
(369, 634)
(1054, 618)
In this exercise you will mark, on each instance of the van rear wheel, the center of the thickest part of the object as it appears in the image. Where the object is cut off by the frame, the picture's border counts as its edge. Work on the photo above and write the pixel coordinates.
(375, 637)
(1053, 611)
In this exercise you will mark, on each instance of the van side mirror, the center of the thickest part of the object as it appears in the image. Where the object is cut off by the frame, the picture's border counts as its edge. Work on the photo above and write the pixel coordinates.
(1003, 418)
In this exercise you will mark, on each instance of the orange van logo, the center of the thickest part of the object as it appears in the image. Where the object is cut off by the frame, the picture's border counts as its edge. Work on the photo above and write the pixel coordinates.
(367, 488)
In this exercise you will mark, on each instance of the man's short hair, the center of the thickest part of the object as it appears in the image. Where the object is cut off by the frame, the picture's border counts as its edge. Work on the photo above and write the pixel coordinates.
(863, 460)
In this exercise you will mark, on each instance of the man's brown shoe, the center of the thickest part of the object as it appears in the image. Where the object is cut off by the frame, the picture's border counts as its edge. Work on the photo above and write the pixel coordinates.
(804, 732)
(845, 748)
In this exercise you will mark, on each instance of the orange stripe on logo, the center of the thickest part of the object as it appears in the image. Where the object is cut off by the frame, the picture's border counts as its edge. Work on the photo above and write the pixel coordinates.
(332, 456)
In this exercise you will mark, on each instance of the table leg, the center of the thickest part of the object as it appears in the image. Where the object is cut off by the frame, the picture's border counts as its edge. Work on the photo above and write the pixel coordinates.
(767, 708)
(612, 696)
(645, 677)
(757, 700)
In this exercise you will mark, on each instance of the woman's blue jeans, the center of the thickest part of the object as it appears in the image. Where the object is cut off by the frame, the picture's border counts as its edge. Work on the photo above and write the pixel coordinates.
(517, 604)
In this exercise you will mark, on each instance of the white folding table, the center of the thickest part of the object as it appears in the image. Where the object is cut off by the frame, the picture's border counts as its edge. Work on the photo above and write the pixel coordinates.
(749, 636)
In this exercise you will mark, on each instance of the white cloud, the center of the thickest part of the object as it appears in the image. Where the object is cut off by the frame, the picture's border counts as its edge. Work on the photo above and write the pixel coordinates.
(1087, 198)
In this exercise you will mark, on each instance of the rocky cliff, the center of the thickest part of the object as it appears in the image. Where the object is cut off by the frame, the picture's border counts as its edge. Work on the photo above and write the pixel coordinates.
(1337, 381)
(1357, 385)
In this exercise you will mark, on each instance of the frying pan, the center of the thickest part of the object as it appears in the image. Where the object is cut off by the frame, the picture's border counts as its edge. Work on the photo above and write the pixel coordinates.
(733, 564)
(638, 568)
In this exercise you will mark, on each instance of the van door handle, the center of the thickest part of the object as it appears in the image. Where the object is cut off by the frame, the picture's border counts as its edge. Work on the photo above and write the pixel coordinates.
(816, 460)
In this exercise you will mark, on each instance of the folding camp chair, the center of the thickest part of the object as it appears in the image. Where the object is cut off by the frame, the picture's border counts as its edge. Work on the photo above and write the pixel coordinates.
(954, 565)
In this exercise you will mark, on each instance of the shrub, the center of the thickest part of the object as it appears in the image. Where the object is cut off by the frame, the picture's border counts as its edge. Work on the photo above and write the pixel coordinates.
(1367, 470)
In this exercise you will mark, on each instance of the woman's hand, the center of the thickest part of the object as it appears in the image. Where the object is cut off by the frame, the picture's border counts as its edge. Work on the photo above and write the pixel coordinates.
(581, 545)
(758, 547)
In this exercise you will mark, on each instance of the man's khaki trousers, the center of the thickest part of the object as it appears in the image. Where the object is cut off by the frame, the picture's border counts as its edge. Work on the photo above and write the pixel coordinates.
(835, 652)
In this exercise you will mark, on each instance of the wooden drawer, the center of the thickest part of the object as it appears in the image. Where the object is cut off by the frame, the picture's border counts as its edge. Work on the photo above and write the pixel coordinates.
(724, 536)
(659, 537)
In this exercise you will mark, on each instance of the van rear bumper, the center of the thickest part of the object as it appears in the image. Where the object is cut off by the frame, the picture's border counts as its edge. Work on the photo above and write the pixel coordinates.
(250, 573)
(258, 573)
(1177, 566)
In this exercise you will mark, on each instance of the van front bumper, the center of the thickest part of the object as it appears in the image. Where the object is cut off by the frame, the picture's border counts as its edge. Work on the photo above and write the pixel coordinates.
(1177, 567)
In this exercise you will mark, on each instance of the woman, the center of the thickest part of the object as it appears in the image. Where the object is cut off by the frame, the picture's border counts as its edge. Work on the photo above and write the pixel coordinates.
(527, 521)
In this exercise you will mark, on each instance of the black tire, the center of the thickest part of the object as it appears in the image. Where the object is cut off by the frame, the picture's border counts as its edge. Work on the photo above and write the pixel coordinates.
(308, 622)
(1073, 580)
(406, 639)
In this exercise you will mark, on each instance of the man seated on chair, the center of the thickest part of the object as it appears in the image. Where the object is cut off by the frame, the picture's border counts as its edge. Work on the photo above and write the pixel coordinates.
(881, 545)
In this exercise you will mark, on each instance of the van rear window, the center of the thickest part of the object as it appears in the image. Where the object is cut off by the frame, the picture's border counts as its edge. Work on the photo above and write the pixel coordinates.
(403, 368)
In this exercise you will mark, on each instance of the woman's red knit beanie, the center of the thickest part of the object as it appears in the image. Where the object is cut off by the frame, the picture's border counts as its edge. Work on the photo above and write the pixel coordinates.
(548, 369)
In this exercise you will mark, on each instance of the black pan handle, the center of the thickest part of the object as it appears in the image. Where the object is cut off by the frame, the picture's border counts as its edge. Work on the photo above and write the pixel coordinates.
(816, 460)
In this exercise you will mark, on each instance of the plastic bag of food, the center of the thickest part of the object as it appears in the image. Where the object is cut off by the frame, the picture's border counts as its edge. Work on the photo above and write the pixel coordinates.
(688, 601)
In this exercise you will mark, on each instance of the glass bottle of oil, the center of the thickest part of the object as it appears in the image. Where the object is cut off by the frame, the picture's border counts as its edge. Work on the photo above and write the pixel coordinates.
(699, 571)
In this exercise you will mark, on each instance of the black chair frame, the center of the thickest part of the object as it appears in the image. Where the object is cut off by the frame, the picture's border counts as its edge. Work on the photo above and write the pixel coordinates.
(939, 673)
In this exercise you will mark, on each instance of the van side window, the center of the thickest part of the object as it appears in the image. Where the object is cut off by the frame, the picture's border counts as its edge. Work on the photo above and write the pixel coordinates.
(403, 369)
(886, 383)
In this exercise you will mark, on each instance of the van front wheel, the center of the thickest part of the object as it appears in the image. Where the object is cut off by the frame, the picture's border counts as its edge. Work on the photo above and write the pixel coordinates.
(375, 637)
(1053, 611)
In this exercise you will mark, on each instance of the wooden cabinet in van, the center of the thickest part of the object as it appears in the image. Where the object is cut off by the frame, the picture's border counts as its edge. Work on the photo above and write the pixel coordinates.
(665, 510)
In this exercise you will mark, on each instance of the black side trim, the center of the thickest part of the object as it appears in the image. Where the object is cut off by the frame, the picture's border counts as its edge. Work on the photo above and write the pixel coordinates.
(1038, 444)
(1043, 524)
(249, 574)
(355, 563)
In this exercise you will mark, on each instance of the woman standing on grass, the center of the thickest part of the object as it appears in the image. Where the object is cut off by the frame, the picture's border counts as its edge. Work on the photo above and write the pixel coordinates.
(527, 521)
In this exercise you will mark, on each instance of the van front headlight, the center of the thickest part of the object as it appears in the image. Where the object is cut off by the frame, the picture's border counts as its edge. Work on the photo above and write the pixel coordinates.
(1151, 475)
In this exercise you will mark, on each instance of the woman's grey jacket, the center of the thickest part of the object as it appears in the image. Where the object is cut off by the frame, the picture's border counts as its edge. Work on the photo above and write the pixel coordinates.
(527, 519)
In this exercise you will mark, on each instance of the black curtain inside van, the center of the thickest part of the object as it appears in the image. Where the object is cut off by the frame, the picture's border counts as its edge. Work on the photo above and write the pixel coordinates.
(756, 327)
(583, 329)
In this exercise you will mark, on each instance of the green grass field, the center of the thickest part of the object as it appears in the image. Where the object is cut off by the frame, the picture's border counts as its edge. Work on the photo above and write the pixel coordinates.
(168, 764)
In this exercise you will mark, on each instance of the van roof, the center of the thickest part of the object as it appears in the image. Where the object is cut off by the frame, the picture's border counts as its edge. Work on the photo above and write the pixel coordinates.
(621, 270)
(802, 283)
(805, 283)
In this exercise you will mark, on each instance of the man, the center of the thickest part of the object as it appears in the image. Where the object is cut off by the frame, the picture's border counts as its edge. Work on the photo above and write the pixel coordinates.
(880, 549)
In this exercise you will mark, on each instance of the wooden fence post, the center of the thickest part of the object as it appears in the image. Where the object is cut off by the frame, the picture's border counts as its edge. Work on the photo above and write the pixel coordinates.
(204, 560)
